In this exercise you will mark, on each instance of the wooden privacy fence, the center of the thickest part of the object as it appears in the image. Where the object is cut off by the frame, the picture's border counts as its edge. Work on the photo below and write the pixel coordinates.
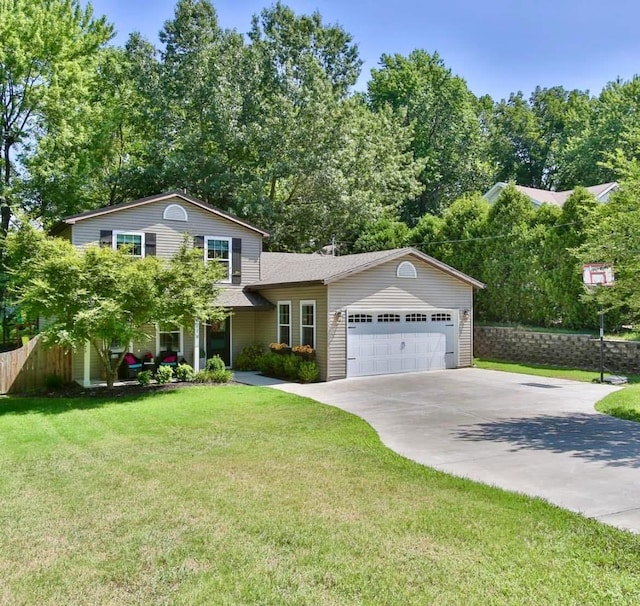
(27, 368)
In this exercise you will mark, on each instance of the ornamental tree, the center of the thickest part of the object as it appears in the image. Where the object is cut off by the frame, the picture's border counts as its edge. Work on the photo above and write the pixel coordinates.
(102, 296)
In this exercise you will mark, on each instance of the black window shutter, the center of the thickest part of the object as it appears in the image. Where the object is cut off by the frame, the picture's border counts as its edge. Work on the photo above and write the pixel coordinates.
(236, 260)
(106, 238)
(198, 242)
(149, 244)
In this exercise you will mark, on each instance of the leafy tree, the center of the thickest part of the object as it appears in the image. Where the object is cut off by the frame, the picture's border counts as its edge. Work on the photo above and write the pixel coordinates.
(384, 234)
(611, 237)
(101, 296)
(463, 234)
(48, 56)
(612, 124)
(448, 134)
(511, 294)
(427, 237)
(562, 267)
(529, 137)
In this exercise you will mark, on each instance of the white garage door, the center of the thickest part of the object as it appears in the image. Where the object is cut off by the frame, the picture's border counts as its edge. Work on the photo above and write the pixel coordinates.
(385, 342)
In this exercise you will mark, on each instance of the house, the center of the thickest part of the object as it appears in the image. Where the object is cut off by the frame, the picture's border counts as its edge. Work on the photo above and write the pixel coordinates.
(372, 313)
(539, 197)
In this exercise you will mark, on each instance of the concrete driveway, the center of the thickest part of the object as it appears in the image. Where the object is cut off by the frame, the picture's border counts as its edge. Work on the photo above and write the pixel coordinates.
(528, 434)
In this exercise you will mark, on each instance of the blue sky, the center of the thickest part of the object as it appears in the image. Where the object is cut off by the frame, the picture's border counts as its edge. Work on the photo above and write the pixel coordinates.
(497, 46)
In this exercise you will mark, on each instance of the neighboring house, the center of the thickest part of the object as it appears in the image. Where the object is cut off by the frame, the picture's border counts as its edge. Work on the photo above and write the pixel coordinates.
(557, 198)
(372, 313)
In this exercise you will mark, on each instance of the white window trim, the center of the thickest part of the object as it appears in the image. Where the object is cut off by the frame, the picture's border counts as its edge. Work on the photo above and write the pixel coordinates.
(206, 249)
(290, 325)
(312, 303)
(180, 352)
(116, 233)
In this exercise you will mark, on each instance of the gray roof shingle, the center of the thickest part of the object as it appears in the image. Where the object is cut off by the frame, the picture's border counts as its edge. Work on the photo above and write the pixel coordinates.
(296, 268)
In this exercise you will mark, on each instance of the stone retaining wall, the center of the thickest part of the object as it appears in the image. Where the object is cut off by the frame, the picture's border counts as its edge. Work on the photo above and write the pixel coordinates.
(554, 349)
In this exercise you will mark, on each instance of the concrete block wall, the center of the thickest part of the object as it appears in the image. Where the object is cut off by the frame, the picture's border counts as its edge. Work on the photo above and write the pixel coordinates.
(555, 349)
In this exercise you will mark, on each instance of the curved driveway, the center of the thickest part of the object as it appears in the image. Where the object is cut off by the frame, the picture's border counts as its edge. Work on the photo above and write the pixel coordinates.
(534, 435)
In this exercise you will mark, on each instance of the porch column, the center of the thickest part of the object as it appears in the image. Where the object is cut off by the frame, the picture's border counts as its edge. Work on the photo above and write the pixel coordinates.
(86, 373)
(196, 346)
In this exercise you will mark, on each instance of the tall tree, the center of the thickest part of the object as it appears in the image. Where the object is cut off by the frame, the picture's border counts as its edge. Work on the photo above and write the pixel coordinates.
(47, 59)
(613, 123)
(528, 137)
(445, 115)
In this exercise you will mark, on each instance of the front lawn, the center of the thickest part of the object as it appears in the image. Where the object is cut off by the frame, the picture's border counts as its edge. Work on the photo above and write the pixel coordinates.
(542, 370)
(624, 404)
(242, 495)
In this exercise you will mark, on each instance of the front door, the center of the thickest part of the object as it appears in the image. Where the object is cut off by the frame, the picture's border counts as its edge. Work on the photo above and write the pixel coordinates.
(219, 340)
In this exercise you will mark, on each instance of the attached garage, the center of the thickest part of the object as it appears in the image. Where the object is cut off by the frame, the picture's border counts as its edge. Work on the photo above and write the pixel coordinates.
(383, 312)
(387, 341)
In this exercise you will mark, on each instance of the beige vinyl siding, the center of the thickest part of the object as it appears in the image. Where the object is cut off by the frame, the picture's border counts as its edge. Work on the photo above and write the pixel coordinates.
(379, 288)
(169, 234)
(267, 322)
(243, 329)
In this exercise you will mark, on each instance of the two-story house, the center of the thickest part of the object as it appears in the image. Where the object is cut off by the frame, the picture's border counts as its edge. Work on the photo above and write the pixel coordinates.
(372, 313)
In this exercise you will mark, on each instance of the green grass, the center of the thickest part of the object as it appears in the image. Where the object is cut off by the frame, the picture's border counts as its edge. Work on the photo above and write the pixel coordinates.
(624, 404)
(542, 370)
(240, 495)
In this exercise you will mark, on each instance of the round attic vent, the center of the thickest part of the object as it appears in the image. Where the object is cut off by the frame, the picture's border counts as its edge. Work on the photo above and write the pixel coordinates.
(406, 269)
(175, 212)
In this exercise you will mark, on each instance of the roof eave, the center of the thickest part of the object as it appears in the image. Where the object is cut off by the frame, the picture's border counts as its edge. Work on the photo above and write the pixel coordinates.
(73, 219)
(263, 286)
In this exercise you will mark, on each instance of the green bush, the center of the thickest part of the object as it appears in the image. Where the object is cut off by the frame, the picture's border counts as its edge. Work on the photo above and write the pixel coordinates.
(213, 376)
(215, 363)
(144, 377)
(270, 364)
(308, 372)
(184, 373)
(248, 358)
(53, 382)
(290, 367)
(164, 374)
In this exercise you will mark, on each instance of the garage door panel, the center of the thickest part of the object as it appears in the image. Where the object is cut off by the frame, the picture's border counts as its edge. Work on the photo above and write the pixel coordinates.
(405, 346)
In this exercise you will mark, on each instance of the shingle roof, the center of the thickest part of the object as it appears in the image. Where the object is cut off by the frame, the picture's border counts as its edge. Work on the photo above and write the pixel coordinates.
(288, 269)
(72, 219)
(557, 198)
(237, 298)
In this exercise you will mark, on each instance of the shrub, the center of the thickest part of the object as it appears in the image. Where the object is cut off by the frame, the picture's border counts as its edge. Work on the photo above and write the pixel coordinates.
(184, 372)
(270, 364)
(53, 382)
(213, 376)
(248, 358)
(290, 367)
(308, 372)
(144, 377)
(164, 374)
(215, 363)
(282, 366)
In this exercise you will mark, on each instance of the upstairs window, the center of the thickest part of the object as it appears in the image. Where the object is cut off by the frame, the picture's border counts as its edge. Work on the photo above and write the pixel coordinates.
(219, 249)
(133, 241)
